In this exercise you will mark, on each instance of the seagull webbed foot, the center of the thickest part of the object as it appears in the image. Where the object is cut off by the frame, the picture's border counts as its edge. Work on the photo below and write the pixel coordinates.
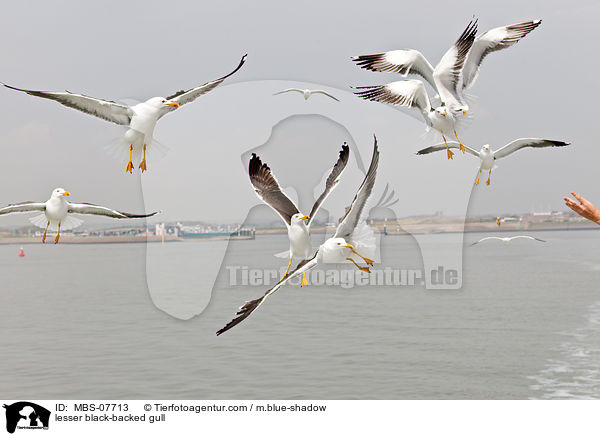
(304, 281)
(362, 268)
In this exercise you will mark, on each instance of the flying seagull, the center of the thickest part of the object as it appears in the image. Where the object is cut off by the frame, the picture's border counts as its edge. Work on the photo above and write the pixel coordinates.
(508, 240)
(446, 79)
(335, 249)
(298, 224)
(140, 118)
(307, 92)
(488, 157)
(57, 212)
(411, 61)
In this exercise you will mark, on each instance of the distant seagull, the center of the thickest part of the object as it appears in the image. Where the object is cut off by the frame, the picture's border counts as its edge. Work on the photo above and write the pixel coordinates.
(508, 240)
(141, 118)
(411, 61)
(298, 224)
(335, 249)
(488, 158)
(446, 78)
(307, 92)
(57, 212)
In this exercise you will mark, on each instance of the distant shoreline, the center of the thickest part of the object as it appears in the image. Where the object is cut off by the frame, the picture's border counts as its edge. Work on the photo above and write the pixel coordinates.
(415, 226)
(66, 239)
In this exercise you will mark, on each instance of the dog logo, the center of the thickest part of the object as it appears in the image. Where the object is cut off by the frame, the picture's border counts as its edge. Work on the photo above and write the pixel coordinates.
(26, 415)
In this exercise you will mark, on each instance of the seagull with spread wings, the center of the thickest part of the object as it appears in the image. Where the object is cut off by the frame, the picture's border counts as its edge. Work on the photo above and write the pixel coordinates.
(307, 92)
(411, 61)
(57, 212)
(446, 78)
(298, 224)
(140, 118)
(508, 240)
(488, 157)
(335, 249)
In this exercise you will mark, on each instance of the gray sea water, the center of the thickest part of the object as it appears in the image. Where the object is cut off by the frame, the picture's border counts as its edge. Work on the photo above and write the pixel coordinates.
(76, 321)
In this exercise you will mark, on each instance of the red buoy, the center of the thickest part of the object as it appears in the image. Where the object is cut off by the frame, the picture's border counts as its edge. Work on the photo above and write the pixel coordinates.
(21, 252)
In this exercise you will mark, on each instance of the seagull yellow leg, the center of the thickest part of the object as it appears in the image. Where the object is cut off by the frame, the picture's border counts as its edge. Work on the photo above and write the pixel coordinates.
(450, 154)
(489, 176)
(45, 231)
(462, 147)
(129, 168)
(143, 162)
(57, 235)
(362, 268)
(288, 268)
(304, 281)
(478, 175)
(366, 259)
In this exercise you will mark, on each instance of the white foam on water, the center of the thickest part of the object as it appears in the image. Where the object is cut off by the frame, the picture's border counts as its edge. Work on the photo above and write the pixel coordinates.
(576, 373)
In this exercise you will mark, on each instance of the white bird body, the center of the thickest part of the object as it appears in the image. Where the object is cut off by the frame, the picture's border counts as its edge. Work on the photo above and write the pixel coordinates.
(299, 236)
(145, 116)
(57, 207)
(442, 121)
(486, 156)
(334, 250)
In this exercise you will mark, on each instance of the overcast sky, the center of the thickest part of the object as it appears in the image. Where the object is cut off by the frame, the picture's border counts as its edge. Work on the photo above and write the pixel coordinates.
(542, 87)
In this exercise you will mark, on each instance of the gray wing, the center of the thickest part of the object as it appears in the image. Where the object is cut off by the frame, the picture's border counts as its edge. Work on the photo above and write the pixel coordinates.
(332, 180)
(528, 237)
(491, 41)
(527, 142)
(447, 73)
(320, 91)
(290, 90)
(353, 212)
(27, 206)
(404, 62)
(442, 146)
(268, 190)
(250, 306)
(487, 239)
(92, 209)
(106, 110)
(182, 97)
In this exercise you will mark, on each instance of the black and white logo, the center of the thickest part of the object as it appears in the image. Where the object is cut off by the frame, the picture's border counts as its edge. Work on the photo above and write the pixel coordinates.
(26, 415)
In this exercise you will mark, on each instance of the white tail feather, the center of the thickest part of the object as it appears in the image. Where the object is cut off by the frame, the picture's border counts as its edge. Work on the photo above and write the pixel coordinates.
(70, 222)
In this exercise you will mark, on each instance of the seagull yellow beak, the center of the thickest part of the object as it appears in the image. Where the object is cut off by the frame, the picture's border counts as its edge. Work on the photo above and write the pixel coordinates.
(66, 193)
(443, 114)
(305, 217)
(173, 104)
(349, 246)
(464, 112)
